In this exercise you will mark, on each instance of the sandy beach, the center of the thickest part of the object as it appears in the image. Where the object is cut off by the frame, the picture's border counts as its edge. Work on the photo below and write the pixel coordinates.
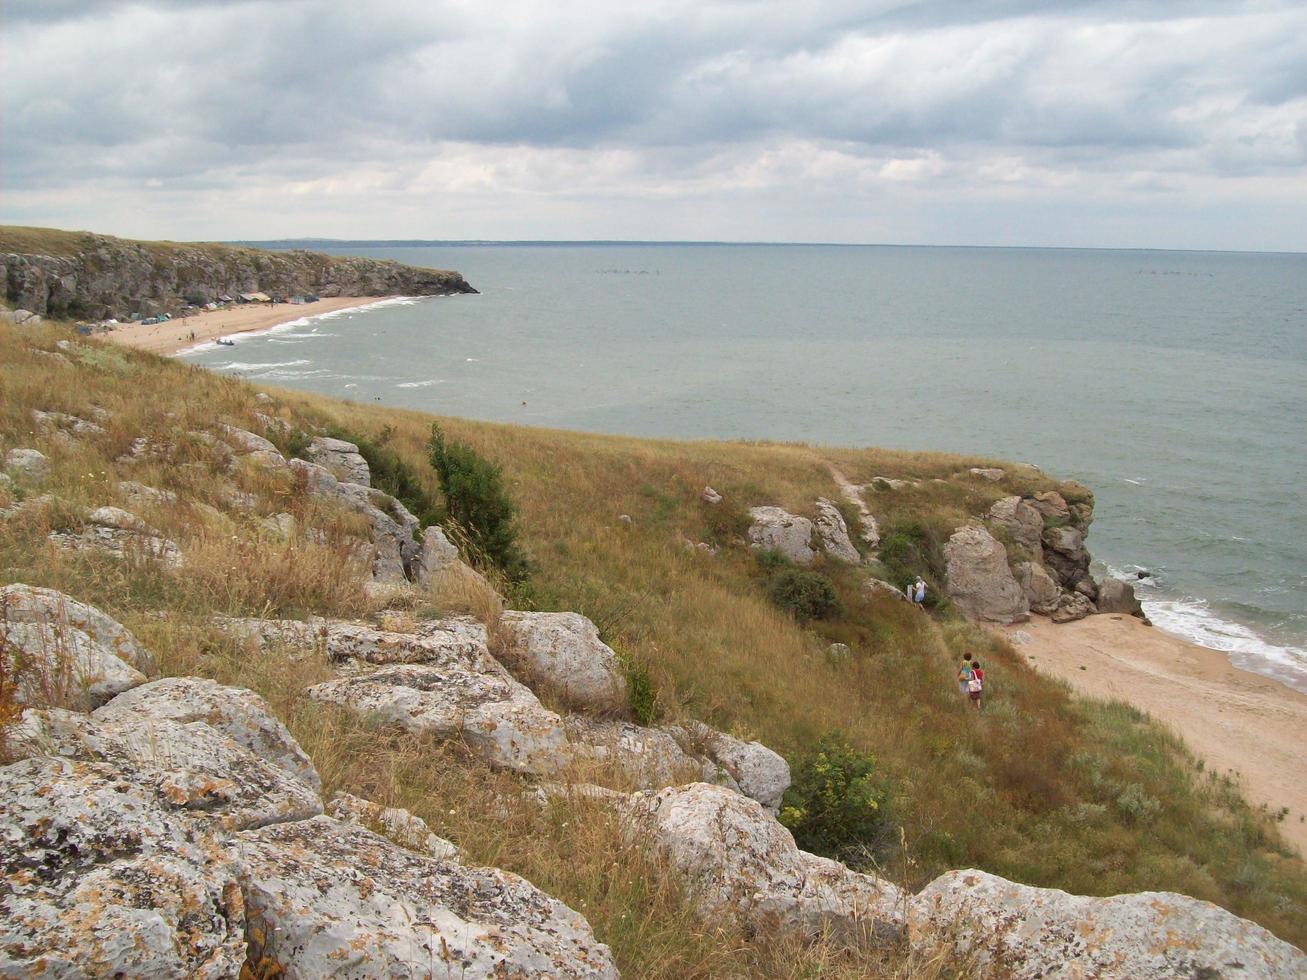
(1240, 723)
(179, 334)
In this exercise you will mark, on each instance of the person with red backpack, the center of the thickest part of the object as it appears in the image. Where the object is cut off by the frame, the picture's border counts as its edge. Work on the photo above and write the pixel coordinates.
(976, 684)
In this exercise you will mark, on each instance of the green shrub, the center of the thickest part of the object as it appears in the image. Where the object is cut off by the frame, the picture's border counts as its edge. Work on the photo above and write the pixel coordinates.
(725, 522)
(909, 549)
(295, 443)
(836, 805)
(639, 688)
(805, 595)
(771, 560)
(475, 500)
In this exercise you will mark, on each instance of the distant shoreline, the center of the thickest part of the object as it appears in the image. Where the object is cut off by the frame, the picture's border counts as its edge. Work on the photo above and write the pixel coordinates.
(174, 336)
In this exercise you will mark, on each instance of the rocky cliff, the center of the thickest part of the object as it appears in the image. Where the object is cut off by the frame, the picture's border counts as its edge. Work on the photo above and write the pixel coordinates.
(82, 275)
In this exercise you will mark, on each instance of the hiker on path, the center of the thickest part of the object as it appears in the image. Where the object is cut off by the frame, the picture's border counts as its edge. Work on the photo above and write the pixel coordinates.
(918, 591)
(964, 674)
(976, 686)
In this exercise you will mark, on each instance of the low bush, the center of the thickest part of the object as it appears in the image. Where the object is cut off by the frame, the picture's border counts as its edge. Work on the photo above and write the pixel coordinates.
(805, 595)
(837, 805)
(909, 549)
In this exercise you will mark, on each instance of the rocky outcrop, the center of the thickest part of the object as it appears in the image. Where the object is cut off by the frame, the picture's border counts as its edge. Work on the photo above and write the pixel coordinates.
(1115, 596)
(833, 532)
(437, 553)
(122, 536)
(1023, 932)
(980, 583)
(564, 651)
(394, 823)
(759, 772)
(96, 276)
(737, 859)
(1022, 522)
(1072, 606)
(325, 898)
(342, 459)
(26, 465)
(775, 528)
(1041, 592)
(644, 757)
(1066, 558)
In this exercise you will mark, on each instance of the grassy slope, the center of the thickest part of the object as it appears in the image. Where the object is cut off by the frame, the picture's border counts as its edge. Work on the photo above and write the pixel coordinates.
(56, 241)
(1044, 787)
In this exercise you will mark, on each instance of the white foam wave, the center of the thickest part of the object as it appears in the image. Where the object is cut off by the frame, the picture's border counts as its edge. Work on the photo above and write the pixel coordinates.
(304, 321)
(421, 384)
(262, 366)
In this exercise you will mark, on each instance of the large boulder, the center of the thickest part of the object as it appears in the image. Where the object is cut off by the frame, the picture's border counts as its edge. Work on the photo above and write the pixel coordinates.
(737, 859)
(101, 876)
(342, 458)
(436, 554)
(980, 583)
(1022, 522)
(1051, 506)
(1115, 596)
(563, 650)
(1041, 592)
(833, 532)
(1072, 606)
(241, 715)
(458, 641)
(72, 654)
(496, 716)
(1023, 932)
(759, 772)
(777, 529)
(194, 769)
(325, 898)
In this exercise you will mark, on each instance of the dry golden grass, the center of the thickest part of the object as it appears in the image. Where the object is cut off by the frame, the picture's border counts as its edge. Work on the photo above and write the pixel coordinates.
(1043, 787)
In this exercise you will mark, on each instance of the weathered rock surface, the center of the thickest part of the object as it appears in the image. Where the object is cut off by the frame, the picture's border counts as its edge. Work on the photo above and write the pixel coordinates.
(991, 473)
(759, 772)
(710, 496)
(877, 587)
(1041, 592)
(1115, 596)
(649, 757)
(70, 427)
(1065, 555)
(100, 876)
(458, 642)
(342, 459)
(325, 898)
(140, 495)
(101, 276)
(778, 529)
(1023, 523)
(496, 716)
(27, 465)
(237, 713)
(192, 768)
(394, 823)
(1026, 932)
(1051, 506)
(436, 554)
(121, 535)
(738, 859)
(869, 528)
(833, 532)
(1072, 606)
(980, 583)
(564, 650)
(73, 653)
(244, 441)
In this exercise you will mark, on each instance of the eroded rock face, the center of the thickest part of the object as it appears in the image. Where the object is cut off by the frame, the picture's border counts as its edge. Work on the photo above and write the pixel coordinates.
(329, 899)
(237, 713)
(991, 473)
(121, 535)
(565, 651)
(99, 876)
(1023, 523)
(1072, 606)
(1115, 596)
(759, 772)
(437, 553)
(833, 532)
(778, 529)
(394, 823)
(1040, 932)
(979, 580)
(737, 858)
(869, 528)
(1066, 557)
(342, 458)
(1041, 592)
(73, 653)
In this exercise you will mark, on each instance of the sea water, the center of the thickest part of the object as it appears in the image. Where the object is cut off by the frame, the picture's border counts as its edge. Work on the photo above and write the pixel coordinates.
(1174, 384)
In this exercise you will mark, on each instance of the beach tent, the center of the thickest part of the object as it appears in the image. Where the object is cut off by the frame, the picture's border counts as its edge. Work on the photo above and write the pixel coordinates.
(255, 298)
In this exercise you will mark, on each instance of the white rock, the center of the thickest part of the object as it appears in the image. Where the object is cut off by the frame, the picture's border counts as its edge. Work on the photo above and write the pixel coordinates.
(394, 823)
(980, 583)
(244, 441)
(27, 465)
(342, 459)
(759, 772)
(121, 535)
(237, 713)
(991, 473)
(139, 495)
(458, 641)
(878, 587)
(1027, 932)
(103, 878)
(437, 553)
(647, 757)
(330, 899)
(710, 496)
(565, 651)
(870, 528)
(737, 858)
(834, 533)
(776, 529)
(73, 653)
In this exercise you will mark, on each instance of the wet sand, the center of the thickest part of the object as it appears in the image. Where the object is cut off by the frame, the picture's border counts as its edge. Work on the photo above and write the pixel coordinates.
(1241, 724)
(175, 335)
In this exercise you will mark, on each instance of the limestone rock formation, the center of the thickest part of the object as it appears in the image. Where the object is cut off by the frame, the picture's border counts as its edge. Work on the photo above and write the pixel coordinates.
(1072, 606)
(342, 458)
(99, 276)
(991, 473)
(241, 715)
(737, 858)
(121, 535)
(869, 528)
(26, 465)
(325, 898)
(437, 553)
(73, 653)
(100, 875)
(1115, 596)
(1066, 557)
(1041, 592)
(710, 496)
(564, 650)
(759, 772)
(1023, 523)
(1027, 932)
(394, 823)
(979, 580)
(778, 529)
(833, 532)
(647, 757)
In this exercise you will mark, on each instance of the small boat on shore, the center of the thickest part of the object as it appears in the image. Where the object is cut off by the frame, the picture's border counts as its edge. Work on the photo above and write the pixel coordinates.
(225, 342)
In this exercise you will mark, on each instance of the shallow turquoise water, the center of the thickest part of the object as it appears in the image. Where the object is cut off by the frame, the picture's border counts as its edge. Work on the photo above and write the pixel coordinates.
(1172, 383)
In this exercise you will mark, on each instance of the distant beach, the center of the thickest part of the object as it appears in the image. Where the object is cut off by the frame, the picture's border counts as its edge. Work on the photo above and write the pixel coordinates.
(172, 336)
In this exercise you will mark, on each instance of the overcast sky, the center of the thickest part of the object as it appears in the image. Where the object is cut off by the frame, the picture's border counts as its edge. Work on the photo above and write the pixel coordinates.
(1166, 124)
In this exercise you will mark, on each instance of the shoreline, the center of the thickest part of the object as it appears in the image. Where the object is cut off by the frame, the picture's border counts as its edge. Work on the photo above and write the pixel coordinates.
(176, 336)
(1241, 723)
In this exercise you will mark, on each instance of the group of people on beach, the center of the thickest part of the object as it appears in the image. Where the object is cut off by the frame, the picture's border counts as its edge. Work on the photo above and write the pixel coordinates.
(971, 679)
